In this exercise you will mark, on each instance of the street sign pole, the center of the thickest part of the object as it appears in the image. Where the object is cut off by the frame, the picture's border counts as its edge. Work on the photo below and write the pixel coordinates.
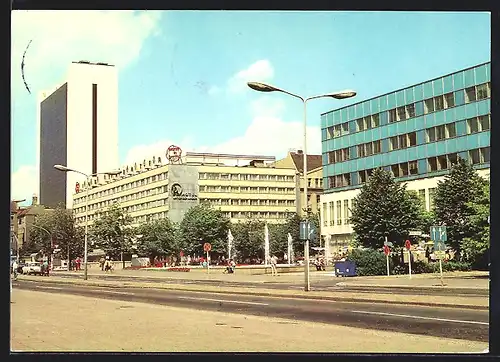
(408, 246)
(441, 271)
(387, 257)
(208, 264)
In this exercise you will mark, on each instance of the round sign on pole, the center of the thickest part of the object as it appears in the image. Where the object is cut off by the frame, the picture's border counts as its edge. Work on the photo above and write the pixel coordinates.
(408, 244)
(386, 250)
(207, 247)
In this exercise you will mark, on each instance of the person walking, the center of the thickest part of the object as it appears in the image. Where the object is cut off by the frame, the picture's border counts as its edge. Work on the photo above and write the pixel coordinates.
(274, 263)
(14, 269)
(45, 268)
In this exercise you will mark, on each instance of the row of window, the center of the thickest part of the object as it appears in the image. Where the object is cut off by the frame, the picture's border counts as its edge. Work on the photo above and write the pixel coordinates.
(409, 168)
(430, 105)
(247, 189)
(330, 217)
(244, 177)
(247, 202)
(433, 134)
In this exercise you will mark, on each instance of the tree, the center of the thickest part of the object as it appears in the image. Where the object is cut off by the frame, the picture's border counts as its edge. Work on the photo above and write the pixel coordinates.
(384, 208)
(204, 224)
(476, 247)
(60, 230)
(452, 199)
(112, 232)
(249, 238)
(158, 238)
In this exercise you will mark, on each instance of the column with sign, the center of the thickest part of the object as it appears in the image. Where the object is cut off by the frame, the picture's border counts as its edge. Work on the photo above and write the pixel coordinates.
(408, 247)
(207, 247)
(439, 236)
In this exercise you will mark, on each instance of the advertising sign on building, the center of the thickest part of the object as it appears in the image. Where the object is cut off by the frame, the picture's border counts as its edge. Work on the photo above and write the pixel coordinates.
(183, 190)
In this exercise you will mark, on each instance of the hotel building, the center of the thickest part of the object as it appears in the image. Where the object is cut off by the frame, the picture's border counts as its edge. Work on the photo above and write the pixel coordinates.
(416, 132)
(77, 127)
(240, 185)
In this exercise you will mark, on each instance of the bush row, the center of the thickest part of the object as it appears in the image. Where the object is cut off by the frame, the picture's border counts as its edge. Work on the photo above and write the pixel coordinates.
(372, 262)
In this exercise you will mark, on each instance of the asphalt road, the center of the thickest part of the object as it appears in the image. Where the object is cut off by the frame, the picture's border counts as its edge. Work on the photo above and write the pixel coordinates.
(433, 321)
(318, 285)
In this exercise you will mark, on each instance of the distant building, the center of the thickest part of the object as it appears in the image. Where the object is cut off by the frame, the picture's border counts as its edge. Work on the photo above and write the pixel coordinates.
(417, 133)
(78, 128)
(240, 186)
(295, 161)
(26, 217)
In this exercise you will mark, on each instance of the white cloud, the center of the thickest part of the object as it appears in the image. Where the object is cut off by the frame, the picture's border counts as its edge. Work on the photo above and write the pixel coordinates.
(59, 37)
(268, 134)
(260, 71)
(24, 183)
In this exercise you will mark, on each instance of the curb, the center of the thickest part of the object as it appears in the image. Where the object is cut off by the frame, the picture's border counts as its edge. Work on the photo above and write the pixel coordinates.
(262, 292)
(480, 291)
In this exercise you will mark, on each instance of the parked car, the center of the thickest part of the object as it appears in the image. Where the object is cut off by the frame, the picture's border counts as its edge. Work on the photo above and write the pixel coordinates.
(20, 267)
(32, 268)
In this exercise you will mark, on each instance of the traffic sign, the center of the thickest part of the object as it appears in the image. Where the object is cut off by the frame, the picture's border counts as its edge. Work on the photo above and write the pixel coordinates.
(439, 254)
(415, 233)
(307, 230)
(408, 244)
(387, 251)
(388, 243)
(207, 247)
(438, 233)
(439, 246)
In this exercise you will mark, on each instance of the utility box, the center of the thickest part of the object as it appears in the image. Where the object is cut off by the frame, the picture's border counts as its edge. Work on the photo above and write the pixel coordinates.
(345, 268)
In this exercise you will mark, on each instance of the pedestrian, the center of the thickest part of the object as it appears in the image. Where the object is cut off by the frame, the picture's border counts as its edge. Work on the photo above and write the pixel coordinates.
(14, 269)
(45, 268)
(274, 262)
(77, 263)
(101, 263)
(107, 264)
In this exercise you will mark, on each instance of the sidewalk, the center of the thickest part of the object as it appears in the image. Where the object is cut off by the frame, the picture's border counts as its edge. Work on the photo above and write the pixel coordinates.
(475, 280)
(118, 326)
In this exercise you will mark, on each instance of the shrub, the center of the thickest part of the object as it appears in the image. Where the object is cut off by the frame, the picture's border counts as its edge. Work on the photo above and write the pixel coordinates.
(179, 269)
(418, 267)
(451, 266)
(369, 262)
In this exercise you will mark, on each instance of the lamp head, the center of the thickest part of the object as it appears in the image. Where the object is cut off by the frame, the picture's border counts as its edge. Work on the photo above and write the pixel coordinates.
(61, 168)
(343, 94)
(262, 87)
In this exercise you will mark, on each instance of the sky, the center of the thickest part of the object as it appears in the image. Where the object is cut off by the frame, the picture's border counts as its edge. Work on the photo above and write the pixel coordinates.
(183, 74)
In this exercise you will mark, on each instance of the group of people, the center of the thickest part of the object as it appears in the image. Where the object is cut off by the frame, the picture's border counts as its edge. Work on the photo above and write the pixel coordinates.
(106, 264)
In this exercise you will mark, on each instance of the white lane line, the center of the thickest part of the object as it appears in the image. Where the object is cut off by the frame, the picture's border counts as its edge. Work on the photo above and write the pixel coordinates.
(43, 287)
(117, 292)
(223, 300)
(419, 317)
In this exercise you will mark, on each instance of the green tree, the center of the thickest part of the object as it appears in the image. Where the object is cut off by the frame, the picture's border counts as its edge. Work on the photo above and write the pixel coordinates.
(204, 224)
(158, 238)
(384, 208)
(112, 232)
(452, 202)
(476, 247)
(249, 238)
(61, 231)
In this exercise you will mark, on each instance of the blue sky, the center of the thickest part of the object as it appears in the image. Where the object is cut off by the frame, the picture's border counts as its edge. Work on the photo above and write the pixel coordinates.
(182, 74)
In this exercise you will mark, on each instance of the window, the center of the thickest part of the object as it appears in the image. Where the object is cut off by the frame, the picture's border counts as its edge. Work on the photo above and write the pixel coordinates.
(325, 215)
(442, 162)
(367, 121)
(376, 147)
(394, 144)
(346, 212)
(360, 124)
(345, 154)
(332, 220)
(345, 128)
(474, 156)
(429, 105)
(451, 130)
(410, 110)
(395, 170)
(331, 182)
(485, 154)
(449, 100)
(484, 122)
(339, 212)
(369, 150)
(472, 125)
(470, 94)
(392, 115)
(403, 141)
(452, 159)
(439, 103)
(421, 194)
(412, 139)
(337, 131)
(432, 193)
(362, 176)
(331, 157)
(375, 120)
(404, 168)
(361, 151)
(401, 113)
(432, 164)
(413, 166)
(482, 91)
(440, 133)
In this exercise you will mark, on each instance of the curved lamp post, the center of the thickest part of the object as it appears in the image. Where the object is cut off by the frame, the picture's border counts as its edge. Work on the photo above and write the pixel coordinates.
(263, 87)
(87, 176)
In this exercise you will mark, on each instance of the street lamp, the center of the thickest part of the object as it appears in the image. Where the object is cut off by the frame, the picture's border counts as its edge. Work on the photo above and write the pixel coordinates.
(87, 176)
(262, 87)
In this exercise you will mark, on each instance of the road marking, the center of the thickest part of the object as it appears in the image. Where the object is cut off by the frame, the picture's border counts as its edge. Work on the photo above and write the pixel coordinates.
(223, 300)
(117, 292)
(419, 317)
(43, 287)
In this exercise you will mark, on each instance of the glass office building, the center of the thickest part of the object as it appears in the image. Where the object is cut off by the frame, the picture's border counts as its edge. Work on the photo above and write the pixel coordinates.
(416, 132)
